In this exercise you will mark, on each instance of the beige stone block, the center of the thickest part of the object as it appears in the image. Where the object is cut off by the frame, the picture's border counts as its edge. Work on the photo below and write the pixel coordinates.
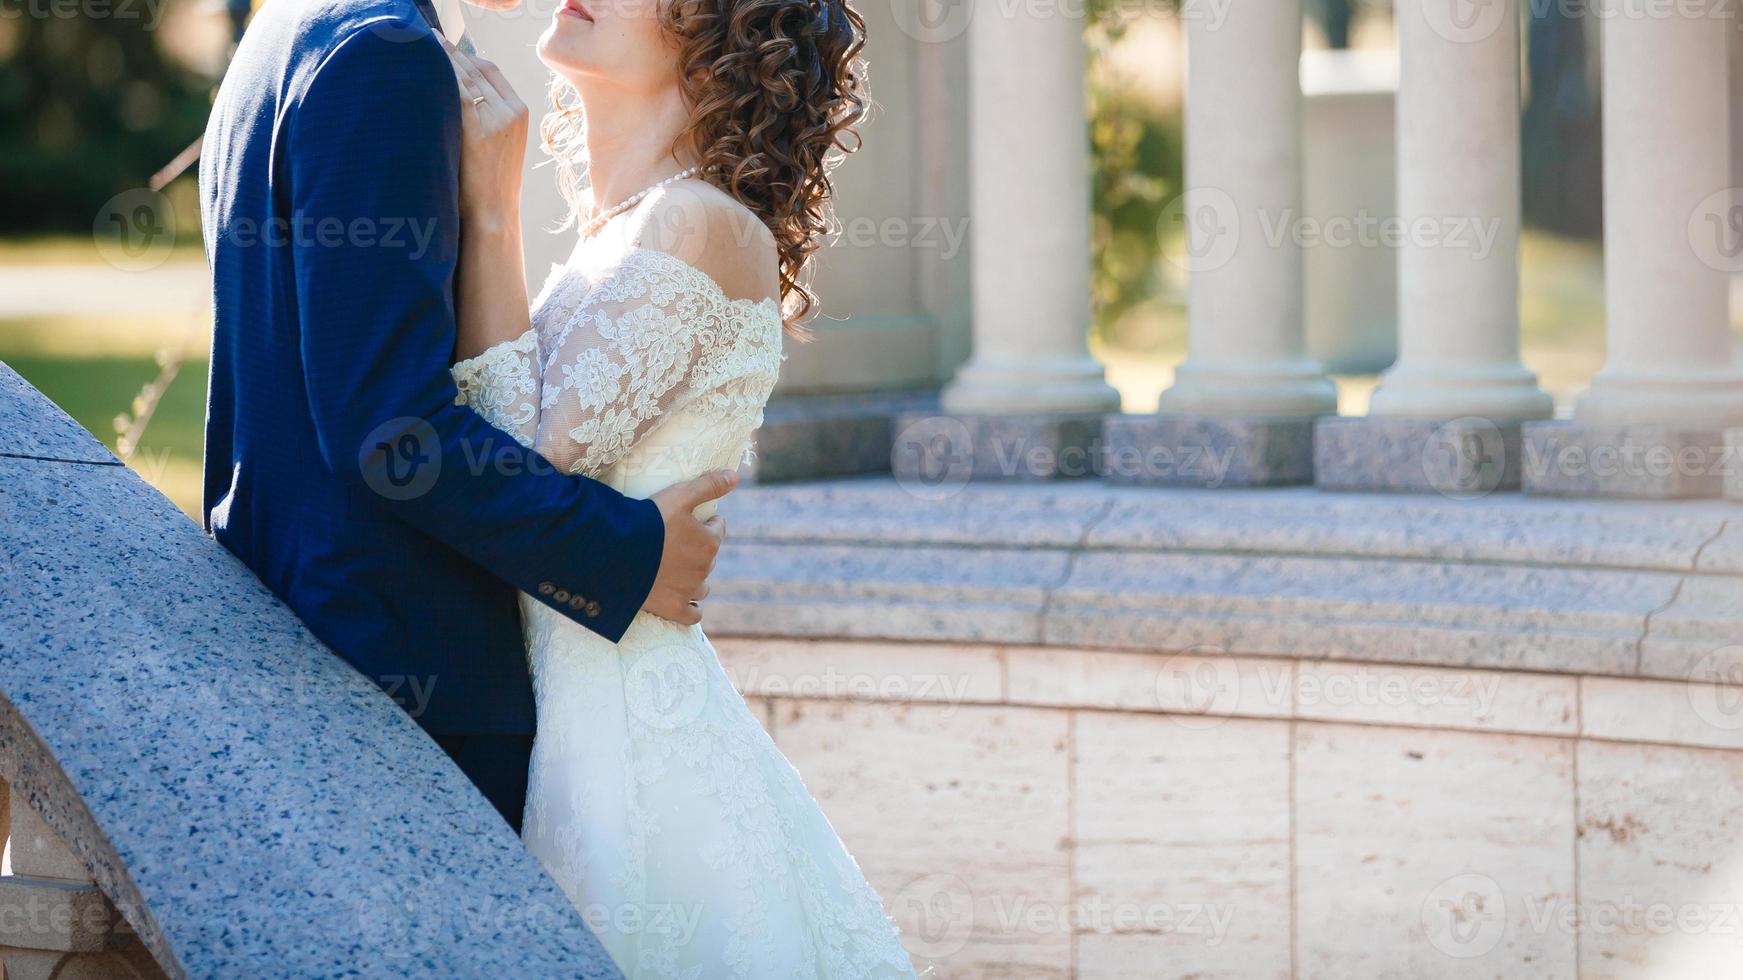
(1437, 697)
(1202, 687)
(39, 913)
(865, 671)
(1424, 854)
(132, 963)
(37, 851)
(1182, 859)
(1661, 873)
(1695, 713)
(959, 817)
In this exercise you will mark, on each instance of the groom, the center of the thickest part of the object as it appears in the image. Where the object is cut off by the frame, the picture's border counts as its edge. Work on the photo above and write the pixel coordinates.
(399, 526)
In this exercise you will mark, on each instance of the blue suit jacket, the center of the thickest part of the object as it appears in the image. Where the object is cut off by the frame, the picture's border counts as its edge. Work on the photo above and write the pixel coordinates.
(396, 524)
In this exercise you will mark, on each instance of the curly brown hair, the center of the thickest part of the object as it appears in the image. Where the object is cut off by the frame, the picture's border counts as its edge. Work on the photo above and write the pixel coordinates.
(776, 90)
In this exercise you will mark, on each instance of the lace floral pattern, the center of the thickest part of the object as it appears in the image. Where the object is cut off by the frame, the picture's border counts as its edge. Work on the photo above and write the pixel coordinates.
(500, 385)
(657, 800)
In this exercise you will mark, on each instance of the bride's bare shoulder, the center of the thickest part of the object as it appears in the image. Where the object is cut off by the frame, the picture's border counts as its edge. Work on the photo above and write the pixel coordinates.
(712, 231)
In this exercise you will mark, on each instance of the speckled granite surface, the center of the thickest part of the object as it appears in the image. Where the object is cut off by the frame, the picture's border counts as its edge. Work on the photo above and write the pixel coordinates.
(254, 807)
(1651, 462)
(32, 426)
(1211, 453)
(1624, 588)
(1457, 458)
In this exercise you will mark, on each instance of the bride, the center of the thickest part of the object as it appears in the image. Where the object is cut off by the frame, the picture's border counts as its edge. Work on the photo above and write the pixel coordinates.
(706, 130)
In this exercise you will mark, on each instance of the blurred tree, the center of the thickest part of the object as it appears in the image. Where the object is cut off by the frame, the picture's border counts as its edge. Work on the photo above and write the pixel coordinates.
(1563, 144)
(89, 107)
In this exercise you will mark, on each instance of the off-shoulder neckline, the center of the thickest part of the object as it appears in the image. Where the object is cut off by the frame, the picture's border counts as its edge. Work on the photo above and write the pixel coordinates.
(561, 270)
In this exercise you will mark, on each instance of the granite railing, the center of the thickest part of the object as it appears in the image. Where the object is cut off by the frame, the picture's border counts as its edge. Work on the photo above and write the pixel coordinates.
(197, 786)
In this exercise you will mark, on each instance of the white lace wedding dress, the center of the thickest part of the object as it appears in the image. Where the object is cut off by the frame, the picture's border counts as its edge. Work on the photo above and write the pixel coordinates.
(656, 800)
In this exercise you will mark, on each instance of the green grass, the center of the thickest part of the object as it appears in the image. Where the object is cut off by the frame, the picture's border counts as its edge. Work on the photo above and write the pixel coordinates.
(95, 389)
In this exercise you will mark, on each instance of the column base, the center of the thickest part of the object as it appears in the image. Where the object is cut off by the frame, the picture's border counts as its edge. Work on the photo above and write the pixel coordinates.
(1497, 392)
(988, 388)
(813, 437)
(933, 450)
(1689, 402)
(1282, 390)
(1208, 452)
(1465, 457)
(1582, 459)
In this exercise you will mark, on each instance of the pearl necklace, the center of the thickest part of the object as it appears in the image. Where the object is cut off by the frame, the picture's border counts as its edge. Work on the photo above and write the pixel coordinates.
(603, 218)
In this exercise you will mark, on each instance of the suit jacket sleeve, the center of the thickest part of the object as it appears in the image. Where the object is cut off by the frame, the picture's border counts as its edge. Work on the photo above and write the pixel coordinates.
(372, 169)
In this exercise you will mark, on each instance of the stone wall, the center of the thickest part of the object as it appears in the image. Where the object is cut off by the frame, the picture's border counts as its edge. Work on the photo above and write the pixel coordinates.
(1031, 812)
(1078, 731)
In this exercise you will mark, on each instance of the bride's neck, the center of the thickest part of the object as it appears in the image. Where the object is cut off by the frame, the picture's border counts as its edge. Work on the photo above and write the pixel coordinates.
(630, 136)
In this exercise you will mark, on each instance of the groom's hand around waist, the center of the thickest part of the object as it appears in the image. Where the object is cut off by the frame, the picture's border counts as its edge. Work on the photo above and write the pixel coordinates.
(691, 547)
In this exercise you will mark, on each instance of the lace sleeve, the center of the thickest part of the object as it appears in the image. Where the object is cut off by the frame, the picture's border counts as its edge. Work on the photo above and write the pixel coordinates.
(502, 385)
(648, 337)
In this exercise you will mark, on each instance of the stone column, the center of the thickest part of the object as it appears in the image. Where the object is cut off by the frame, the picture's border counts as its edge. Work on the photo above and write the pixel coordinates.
(1459, 201)
(1447, 416)
(1030, 382)
(1029, 213)
(1248, 393)
(1651, 423)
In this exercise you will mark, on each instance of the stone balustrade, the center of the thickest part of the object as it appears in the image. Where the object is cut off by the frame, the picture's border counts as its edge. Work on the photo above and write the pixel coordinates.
(195, 782)
(1653, 423)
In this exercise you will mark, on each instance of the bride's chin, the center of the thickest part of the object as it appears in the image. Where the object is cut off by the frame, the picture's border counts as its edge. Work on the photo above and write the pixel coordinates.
(555, 56)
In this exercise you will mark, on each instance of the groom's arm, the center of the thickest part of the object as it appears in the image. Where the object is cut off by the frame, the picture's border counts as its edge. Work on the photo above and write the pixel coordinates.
(373, 164)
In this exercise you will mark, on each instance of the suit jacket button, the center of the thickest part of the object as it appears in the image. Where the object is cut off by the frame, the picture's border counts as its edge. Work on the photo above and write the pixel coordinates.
(576, 602)
(593, 609)
(546, 588)
(561, 595)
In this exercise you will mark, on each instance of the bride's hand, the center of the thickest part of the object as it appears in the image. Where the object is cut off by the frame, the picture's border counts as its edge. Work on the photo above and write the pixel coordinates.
(494, 146)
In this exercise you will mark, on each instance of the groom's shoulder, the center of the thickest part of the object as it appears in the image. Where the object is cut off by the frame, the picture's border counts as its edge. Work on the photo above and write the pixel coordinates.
(391, 32)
